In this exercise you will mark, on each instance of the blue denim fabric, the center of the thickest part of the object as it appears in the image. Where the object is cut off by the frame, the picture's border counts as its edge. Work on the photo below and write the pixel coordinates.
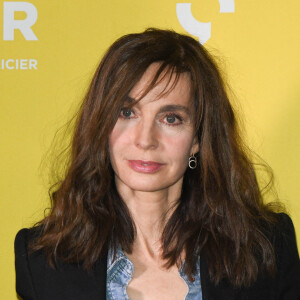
(120, 271)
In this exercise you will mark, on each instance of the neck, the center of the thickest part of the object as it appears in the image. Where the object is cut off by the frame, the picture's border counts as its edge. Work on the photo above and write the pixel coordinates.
(150, 212)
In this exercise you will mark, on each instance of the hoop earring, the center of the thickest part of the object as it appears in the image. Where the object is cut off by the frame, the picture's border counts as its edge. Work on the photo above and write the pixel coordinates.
(192, 162)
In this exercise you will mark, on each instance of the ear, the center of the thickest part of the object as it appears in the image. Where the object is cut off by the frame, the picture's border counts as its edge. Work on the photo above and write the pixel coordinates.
(195, 146)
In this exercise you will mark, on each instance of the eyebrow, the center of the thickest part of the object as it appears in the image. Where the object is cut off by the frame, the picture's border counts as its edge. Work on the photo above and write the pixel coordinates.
(129, 100)
(174, 107)
(166, 108)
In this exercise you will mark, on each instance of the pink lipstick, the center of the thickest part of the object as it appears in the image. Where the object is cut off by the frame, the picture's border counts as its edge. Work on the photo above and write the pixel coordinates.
(143, 166)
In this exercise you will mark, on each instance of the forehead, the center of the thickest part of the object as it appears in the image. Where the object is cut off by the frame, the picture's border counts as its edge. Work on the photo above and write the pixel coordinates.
(170, 86)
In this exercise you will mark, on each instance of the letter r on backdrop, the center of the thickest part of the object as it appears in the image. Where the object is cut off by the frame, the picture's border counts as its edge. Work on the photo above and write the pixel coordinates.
(10, 24)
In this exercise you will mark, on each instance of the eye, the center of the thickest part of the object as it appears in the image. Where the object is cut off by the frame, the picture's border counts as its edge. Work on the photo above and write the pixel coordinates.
(172, 119)
(126, 113)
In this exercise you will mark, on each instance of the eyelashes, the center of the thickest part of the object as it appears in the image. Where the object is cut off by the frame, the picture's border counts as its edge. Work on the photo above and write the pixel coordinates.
(173, 119)
(169, 119)
(126, 113)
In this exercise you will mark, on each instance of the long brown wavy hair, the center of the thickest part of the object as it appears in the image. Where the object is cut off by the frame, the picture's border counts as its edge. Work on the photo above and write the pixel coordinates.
(220, 213)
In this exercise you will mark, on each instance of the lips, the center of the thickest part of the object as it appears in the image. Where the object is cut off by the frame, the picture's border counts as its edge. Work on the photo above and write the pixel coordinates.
(143, 166)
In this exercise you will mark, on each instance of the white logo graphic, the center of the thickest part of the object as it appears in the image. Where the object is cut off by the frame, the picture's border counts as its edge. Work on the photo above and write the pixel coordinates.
(190, 24)
(226, 6)
(201, 30)
(10, 24)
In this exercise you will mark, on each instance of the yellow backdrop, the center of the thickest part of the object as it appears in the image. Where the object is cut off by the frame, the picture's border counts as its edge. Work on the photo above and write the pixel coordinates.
(49, 50)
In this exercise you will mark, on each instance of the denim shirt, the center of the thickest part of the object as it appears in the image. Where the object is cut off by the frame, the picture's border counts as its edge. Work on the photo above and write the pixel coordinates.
(120, 272)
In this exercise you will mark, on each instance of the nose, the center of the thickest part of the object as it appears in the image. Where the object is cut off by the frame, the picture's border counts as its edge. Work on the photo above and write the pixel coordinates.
(146, 136)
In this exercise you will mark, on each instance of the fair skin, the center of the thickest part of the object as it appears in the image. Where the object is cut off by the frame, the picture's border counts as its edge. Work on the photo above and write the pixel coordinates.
(149, 150)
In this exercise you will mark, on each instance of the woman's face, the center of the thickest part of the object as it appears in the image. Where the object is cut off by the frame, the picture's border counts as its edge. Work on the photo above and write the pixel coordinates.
(152, 141)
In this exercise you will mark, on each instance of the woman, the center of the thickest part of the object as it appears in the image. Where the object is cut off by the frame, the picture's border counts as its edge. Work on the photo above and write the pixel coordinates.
(160, 200)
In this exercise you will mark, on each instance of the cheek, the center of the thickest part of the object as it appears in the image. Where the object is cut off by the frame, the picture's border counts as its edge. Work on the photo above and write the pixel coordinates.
(118, 141)
(178, 148)
(113, 143)
(112, 140)
(115, 135)
(121, 132)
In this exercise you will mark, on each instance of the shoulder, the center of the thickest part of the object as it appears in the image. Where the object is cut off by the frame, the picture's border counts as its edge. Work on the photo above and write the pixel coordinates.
(283, 235)
(23, 255)
(285, 285)
(284, 224)
(21, 241)
(285, 239)
(36, 279)
(279, 229)
(25, 281)
(25, 235)
(287, 258)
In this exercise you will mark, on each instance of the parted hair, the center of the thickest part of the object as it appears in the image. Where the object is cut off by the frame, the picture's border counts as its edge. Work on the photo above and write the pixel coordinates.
(220, 213)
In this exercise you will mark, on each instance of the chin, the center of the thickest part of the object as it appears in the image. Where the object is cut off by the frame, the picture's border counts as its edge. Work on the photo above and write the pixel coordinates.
(148, 183)
(147, 187)
(144, 184)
